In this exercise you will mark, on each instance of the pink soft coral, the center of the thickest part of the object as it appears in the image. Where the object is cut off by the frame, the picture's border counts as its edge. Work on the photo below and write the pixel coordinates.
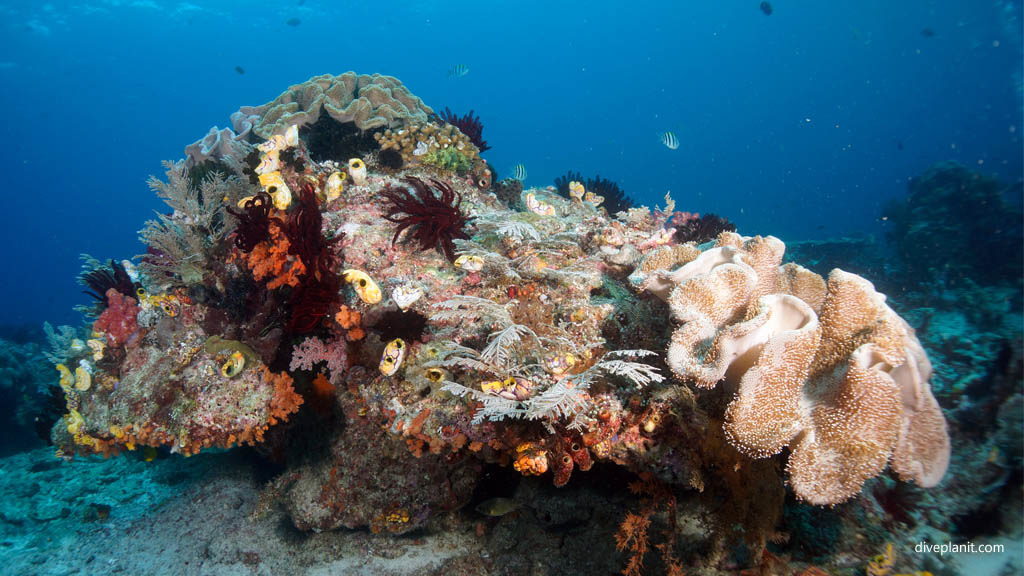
(312, 351)
(118, 321)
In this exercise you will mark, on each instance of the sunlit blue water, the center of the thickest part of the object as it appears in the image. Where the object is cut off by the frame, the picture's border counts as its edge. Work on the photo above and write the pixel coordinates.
(799, 124)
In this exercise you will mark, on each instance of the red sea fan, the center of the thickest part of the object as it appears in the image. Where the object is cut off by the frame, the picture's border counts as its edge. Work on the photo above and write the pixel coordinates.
(469, 125)
(433, 221)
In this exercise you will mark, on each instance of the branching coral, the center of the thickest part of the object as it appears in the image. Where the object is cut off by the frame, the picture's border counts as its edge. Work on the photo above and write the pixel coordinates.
(433, 221)
(469, 125)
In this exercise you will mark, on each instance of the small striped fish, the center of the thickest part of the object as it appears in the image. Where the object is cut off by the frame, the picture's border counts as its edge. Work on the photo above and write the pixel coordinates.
(458, 71)
(519, 172)
(670, 140)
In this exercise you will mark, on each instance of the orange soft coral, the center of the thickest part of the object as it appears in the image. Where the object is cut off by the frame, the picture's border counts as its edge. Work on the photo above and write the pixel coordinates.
(323, 394)
(270, 259)
(349, 319)
(285, 400)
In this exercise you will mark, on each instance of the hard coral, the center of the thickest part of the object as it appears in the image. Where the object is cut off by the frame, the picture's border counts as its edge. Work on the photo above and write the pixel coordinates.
(469, 125)
(369, 101)
(434, 222)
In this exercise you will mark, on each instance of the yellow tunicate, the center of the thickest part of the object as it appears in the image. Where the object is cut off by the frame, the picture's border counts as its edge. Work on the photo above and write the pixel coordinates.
(234, 365)
(335, 185)
(364, 286)
(357, 168)
(435, 374)
(83, 380)
(274, 185)
(392, 358)
(492, 387)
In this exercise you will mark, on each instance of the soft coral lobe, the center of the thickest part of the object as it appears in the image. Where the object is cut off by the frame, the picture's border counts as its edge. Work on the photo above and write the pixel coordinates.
(430, 212)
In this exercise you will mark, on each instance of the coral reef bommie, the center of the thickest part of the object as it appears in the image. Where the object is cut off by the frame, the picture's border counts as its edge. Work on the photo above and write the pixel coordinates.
(542, 332)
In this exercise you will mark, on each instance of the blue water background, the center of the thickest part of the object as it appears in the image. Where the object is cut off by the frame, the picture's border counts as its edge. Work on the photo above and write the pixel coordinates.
(799, 124)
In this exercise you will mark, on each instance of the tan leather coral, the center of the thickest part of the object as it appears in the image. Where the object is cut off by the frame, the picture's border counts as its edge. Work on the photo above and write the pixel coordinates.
(829, 371)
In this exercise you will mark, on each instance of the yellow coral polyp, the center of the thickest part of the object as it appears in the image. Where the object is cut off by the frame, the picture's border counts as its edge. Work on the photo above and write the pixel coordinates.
(97, 346)
(75, 422)
(67, 379)
(83, 380)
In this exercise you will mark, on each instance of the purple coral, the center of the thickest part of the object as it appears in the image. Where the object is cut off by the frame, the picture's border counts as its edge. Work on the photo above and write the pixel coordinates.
(469, 125)
(433, 221)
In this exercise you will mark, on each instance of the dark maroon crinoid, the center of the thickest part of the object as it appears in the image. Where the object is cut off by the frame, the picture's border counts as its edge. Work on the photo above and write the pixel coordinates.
(102, 279)
(469, 125)
(433, 221)
(305, 238)
(615, 199)
(703, 229)
(318, 295)
(253, 222)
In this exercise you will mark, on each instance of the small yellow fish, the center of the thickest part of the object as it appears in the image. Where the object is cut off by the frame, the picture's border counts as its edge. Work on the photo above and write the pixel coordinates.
(149, 453)
(233, 366)
(469, 263)
(392, 358)
(538, 207)
(497, 506)
(367, 289)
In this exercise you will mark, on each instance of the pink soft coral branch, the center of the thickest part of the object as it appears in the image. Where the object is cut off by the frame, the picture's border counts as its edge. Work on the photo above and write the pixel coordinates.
(313, 351)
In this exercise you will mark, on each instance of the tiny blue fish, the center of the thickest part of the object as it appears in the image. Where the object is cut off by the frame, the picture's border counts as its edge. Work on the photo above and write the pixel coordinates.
(458, 71)
(519, 172)
(670, 140)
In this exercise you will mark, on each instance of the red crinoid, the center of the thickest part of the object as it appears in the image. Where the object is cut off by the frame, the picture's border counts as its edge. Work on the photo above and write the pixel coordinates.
(433, 221)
